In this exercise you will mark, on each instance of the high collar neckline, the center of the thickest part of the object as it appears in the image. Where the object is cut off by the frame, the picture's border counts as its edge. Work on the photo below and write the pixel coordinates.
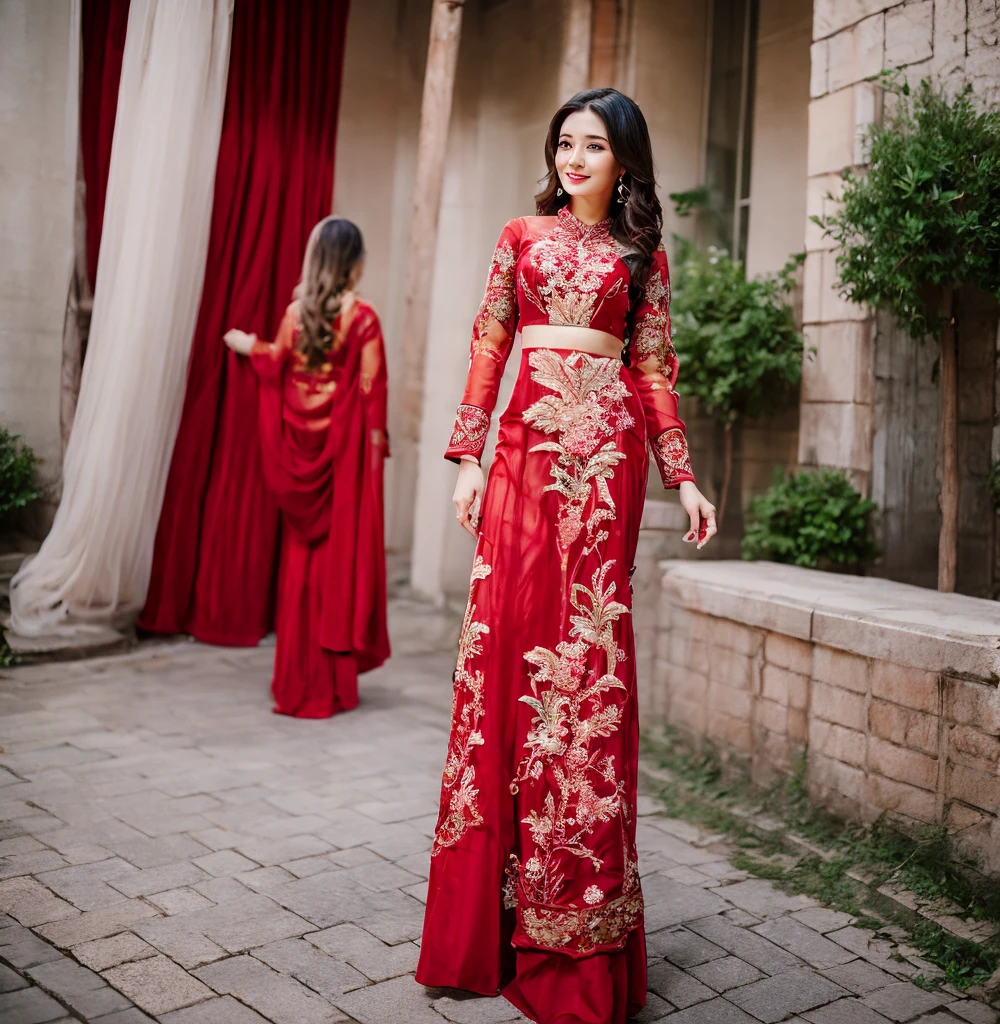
(568, 217)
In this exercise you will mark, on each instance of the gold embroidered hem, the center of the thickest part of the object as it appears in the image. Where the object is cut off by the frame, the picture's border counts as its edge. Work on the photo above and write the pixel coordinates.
(583, 930)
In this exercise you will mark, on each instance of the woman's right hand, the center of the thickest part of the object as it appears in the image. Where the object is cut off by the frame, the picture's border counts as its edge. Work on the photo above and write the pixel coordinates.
(468, 494)
(239, 341)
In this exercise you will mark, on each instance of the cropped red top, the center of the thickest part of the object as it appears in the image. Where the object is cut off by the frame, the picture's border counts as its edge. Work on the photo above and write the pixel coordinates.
(558, 270)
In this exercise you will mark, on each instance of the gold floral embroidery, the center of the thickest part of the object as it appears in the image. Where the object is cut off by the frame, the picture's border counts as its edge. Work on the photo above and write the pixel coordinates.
(571, 685)
(670, 450)
(572, 263)
(586, 409)
(468, 436)
(651, 336)
(467, 711)
(584, 929)
(500, 300)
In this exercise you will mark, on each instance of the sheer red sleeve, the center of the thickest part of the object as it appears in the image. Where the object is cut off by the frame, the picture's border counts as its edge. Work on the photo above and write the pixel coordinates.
(654, 372)
(374, 381)
(268, 357)
(492, 339)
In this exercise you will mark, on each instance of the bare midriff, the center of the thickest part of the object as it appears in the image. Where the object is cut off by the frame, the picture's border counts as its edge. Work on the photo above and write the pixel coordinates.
(579, 339)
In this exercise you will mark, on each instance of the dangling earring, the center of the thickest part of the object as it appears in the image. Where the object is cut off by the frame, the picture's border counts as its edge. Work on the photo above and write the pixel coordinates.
(624, 192)
(559, 191)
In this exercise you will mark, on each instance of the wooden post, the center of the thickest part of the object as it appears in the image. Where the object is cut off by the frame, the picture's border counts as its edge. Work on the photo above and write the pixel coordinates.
(948, 382)
(435, 115)
(606, 41)
(574, 72)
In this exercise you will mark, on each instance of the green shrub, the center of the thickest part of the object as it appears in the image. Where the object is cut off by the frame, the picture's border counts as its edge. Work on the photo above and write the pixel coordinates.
(17, 476)
(817, 520)
(736, 339)
(739, 348)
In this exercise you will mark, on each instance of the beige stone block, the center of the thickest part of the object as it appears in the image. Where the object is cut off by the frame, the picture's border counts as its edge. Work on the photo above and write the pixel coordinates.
(949, 40)
(974, 787)
(730, 667)
(773, 749)
(832, 304)
(828, 774)
(901, 798)
(700, 627)
(735, 636)
(819, 54)
(847, 745)
(788, 652)
(694, 654)
(840, 668)
(981, 71)
(840, 706)
(868, 106)
(690, 715)
(771, 716)
(836, 434)
(903, 726)
(856, 53)
(841, 370)
(730, 701)
(984, 24)
(831, 16)
(774, 684)
(972, 704)
(974, 749)
(958, 817)
(831, 132)
(812, 287)
(822, 198)
(798, 726)
(689, 685)
(910, 687)
(730, 731)
(909, 33)
(902, 764)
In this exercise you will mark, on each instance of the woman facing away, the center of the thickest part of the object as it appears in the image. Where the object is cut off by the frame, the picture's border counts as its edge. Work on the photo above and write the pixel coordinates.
(534, 883)
(323, 440)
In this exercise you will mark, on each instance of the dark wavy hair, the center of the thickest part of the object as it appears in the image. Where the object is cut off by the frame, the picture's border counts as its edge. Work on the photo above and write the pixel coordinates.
(334, 248)
(637, 224)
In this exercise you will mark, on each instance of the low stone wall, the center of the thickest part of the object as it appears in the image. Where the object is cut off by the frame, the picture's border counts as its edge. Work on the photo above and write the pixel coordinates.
(889, 690)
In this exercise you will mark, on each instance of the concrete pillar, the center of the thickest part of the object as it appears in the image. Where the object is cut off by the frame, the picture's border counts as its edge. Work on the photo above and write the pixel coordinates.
(39, 83)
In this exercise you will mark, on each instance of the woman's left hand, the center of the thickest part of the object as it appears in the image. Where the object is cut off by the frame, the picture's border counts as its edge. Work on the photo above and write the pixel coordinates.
(701, 513)
(239, 341)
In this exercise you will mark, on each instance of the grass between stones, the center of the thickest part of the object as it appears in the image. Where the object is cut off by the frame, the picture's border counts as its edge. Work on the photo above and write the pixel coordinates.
(782, 836)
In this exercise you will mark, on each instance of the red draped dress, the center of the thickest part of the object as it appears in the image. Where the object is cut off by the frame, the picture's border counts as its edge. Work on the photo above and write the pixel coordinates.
(323, 441)
(534, 884)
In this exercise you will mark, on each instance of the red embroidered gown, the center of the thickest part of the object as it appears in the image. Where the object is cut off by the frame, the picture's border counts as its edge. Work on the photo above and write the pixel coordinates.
(534, 884)
(323, 439)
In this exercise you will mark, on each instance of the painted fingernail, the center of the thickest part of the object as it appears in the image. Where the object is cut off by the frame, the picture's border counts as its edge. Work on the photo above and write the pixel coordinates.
(689, 536)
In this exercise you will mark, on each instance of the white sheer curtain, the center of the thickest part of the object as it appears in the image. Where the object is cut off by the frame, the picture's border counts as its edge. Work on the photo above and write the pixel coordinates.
(93, 568)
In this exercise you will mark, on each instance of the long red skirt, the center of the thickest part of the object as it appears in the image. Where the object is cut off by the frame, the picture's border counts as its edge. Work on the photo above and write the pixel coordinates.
(309, 680)
(534, 883)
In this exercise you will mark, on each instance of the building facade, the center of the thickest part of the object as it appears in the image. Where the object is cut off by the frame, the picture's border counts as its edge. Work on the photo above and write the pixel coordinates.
(762, 102)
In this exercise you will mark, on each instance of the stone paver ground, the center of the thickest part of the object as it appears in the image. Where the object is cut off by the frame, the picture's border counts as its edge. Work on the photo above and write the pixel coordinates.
(171, 850)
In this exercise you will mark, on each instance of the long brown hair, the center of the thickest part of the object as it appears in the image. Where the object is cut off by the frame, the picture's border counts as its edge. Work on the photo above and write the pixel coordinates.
(334, 248)
(637, 224)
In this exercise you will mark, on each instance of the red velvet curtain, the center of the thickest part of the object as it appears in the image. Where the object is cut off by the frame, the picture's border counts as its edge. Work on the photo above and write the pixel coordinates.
(102, 31)
(213, 566)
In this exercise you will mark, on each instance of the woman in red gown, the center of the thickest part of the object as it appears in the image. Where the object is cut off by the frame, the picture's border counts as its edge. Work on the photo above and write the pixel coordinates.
(323, 439)
(534, 882)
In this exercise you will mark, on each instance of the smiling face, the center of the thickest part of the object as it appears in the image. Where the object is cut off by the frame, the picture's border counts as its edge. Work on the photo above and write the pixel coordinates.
(584, 161)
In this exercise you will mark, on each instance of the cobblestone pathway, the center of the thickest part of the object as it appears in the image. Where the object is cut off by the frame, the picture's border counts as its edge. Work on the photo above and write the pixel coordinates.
(171, 850)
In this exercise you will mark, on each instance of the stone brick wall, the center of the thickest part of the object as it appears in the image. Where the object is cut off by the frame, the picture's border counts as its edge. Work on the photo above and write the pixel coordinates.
(889, 692)
(953, 41)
